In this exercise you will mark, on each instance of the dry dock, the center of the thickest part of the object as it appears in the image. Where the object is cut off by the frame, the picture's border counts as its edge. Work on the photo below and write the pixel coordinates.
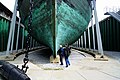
(83, 67)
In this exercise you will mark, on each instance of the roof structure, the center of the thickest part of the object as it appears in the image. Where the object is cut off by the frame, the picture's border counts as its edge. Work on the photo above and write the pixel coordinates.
(4, 9)
(114, 15)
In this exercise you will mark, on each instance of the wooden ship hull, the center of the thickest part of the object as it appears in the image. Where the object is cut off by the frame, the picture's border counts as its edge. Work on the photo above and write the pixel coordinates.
(56, 22)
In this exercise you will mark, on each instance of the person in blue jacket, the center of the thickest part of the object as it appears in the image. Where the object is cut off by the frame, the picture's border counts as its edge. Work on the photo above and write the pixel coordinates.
(67, 53)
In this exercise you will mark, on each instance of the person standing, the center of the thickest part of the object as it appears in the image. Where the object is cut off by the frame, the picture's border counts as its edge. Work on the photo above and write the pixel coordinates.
(61, 54)
(67, 53)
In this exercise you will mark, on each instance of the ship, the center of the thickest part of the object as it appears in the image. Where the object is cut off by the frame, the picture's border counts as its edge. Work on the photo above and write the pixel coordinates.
(56, 22)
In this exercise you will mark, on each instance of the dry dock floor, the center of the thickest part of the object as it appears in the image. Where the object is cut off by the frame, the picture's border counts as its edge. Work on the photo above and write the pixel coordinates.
(83, 67)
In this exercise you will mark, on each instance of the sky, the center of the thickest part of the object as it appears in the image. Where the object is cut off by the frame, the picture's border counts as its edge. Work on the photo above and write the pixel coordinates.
(101, 5)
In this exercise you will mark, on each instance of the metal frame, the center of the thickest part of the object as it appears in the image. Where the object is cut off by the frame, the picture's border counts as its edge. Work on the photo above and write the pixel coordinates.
(82, 41)
(89, 38)
(23, 38)
(99, 41)
(93, 34)
(85, 38)
(12, 25)
(18, 34)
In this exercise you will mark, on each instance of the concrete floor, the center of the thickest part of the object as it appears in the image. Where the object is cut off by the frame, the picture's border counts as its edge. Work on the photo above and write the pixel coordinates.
(83, 67)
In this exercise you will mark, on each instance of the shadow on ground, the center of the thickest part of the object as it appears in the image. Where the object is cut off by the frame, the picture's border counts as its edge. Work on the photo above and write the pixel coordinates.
(40, 56)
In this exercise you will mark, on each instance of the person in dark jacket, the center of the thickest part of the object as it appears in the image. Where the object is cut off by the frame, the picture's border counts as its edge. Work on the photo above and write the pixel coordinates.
(61, 53)
(67, 53)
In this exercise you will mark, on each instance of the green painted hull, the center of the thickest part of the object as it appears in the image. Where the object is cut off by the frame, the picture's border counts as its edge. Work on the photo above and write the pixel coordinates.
(56, 22)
